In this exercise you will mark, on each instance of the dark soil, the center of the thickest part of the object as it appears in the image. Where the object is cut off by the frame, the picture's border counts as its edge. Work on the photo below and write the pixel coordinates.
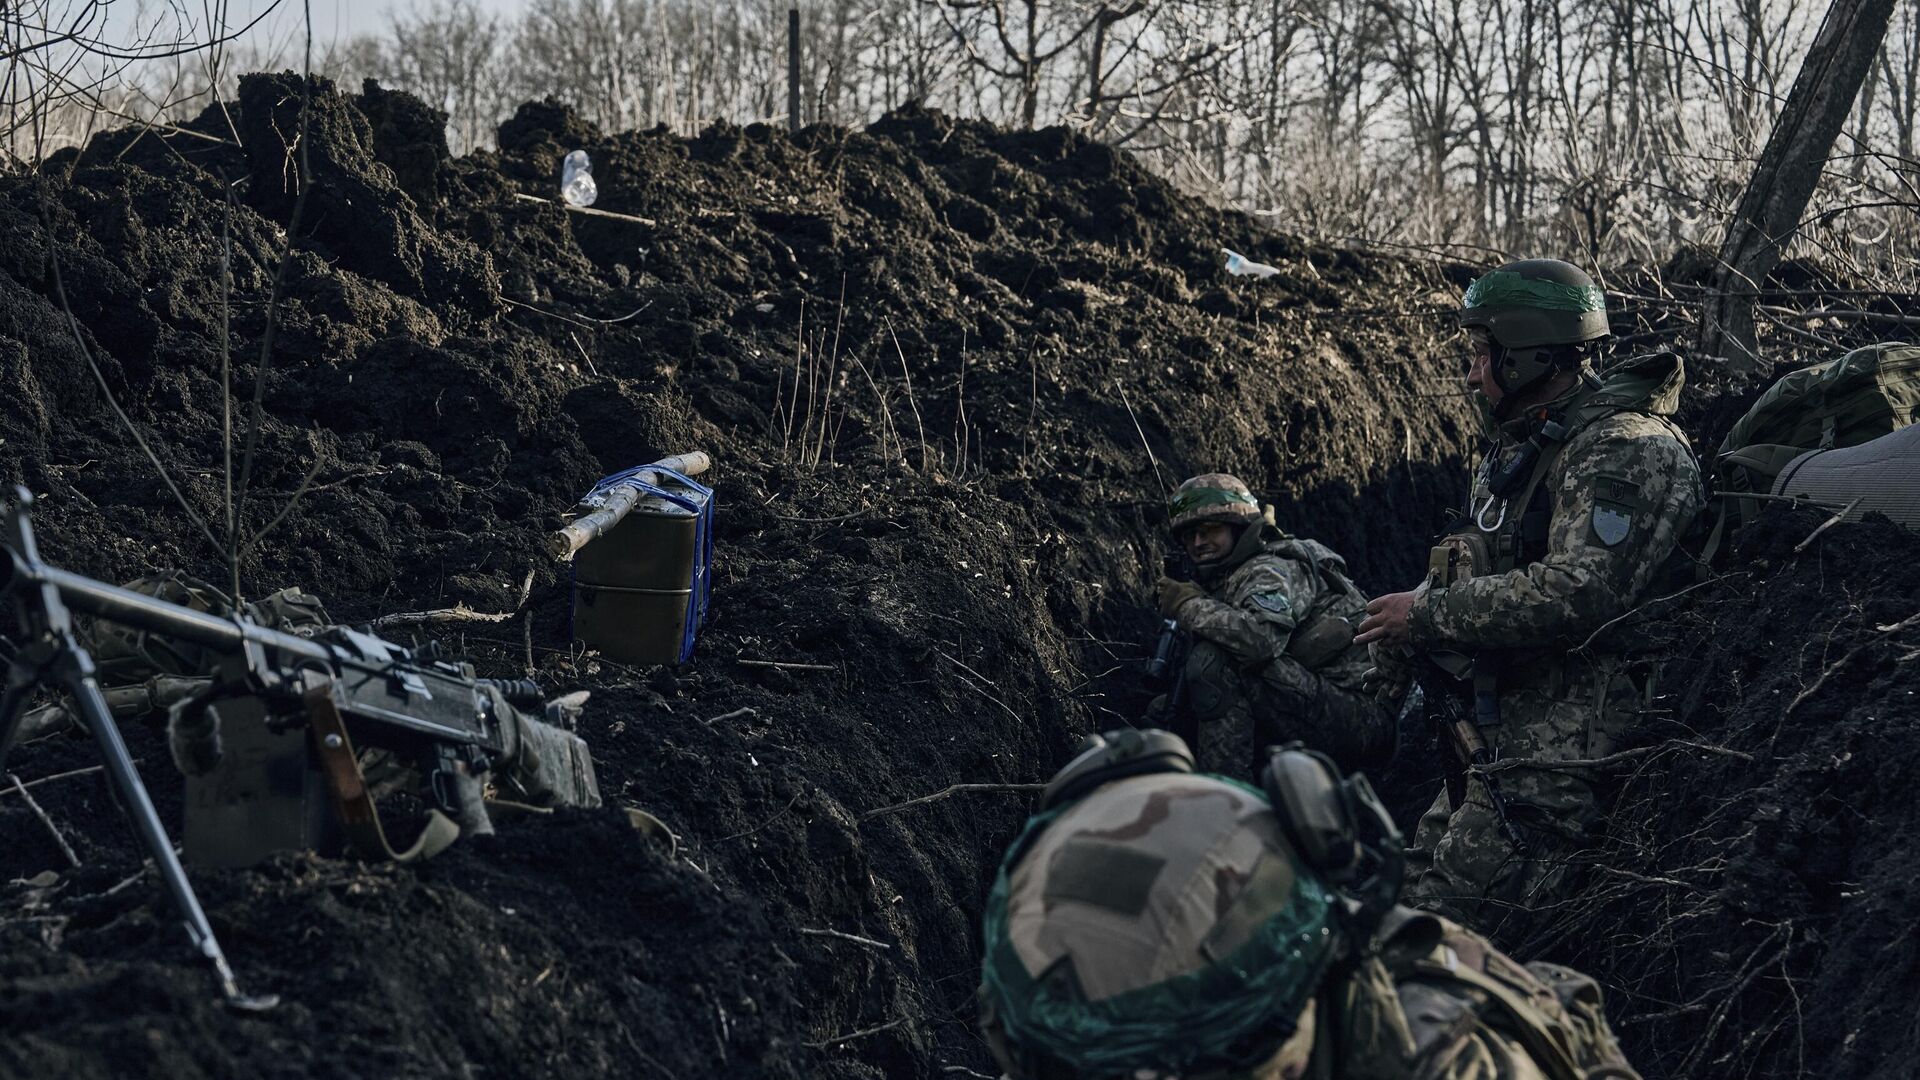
(1752, 911)
(926, 358)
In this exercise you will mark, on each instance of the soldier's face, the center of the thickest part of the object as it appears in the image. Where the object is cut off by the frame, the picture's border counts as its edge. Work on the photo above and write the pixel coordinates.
(1208, 541)
(1480, 367)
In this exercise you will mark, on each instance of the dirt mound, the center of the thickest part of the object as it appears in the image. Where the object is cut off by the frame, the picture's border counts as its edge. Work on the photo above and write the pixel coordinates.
(945, 372)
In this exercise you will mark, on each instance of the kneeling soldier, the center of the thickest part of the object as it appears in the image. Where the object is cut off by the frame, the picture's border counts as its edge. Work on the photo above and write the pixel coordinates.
(1272, 619)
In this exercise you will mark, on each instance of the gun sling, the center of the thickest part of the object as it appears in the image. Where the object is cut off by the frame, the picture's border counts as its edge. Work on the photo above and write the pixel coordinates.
(359, 817)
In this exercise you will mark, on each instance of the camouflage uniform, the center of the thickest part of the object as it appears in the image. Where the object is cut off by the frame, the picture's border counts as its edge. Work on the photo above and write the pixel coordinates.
(1273, 659)
(1555, 565)
(1152, 879)
(1271, 622)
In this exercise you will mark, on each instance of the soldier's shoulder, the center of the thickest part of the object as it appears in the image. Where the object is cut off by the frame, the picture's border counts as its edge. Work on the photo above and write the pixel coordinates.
(1632, 436)
(1261, 574)
(1266, 561)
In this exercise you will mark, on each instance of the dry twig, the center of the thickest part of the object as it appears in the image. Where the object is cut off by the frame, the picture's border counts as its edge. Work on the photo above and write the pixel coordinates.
(786, 666)
(583, 354)
(852, 1035)
(950, 789)
(1814, 688)
(457, 613)
(980, 687)
(34, 805)
(1827, 524)
(587, 210)
(1624, 616)
(855, 938)
(1611, 759)
(1143, 436)
(59, 776)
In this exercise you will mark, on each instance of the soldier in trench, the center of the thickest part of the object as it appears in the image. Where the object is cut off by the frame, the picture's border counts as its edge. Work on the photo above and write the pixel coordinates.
(1153, 923)
(1579, 503)
(1270, 619)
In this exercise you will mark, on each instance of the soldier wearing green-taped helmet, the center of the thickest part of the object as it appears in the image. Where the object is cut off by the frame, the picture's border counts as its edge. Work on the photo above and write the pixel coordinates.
(1269, 622)
(1539, 315)
(1151, 923)
(1211, 497)
(1573, 519)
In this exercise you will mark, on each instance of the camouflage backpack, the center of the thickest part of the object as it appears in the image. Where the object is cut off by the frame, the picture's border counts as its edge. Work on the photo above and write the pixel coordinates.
(1462, 1000)
(1868, 393)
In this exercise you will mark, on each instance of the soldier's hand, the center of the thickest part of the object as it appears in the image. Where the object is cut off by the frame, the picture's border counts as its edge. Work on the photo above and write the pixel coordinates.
(1173, 594)
(1386, 620)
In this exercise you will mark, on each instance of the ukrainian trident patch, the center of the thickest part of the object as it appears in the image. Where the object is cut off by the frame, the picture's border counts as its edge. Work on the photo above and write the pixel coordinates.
(1615, 498)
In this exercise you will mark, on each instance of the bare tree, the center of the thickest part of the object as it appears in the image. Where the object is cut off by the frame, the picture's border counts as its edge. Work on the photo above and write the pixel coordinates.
(1612, 130)
(449, 52)
(1789, 167)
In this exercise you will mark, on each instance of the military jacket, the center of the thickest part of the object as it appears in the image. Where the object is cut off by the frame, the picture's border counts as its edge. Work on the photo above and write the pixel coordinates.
(1439, 1002)
(1617, 496)
(1259, 609)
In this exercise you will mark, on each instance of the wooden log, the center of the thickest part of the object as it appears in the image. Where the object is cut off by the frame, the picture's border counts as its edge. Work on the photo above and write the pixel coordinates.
(583, 530)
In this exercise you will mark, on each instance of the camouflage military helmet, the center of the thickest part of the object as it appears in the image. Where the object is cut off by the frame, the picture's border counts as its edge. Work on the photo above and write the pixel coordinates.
(1161, 924)
(1211, 497)
(1530, 309)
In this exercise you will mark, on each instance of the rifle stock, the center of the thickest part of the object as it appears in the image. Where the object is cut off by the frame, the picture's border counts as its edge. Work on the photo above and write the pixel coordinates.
(1459, 728)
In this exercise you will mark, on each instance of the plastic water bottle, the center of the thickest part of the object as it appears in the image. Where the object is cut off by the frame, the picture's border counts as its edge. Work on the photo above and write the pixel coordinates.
(1240, 266)
(576, 180)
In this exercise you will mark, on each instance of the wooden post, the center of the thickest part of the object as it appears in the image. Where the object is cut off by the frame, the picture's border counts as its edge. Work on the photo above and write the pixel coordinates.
(793, 69)
(1784, 178)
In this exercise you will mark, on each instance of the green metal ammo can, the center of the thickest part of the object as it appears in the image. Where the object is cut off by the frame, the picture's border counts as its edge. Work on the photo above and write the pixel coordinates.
(639, 590)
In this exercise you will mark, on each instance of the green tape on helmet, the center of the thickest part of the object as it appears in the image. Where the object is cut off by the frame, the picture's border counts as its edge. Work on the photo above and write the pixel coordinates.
(1231, 1014)
(1185, 502)
(1506, 289)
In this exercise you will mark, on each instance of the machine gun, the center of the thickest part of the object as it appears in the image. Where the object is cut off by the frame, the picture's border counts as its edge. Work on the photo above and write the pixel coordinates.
(312, 697)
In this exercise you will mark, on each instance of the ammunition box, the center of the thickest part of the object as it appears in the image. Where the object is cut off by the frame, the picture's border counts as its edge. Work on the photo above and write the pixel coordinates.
(635, 588)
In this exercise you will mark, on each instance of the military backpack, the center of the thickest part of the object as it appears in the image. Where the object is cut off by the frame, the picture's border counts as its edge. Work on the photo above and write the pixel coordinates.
(1863, 395)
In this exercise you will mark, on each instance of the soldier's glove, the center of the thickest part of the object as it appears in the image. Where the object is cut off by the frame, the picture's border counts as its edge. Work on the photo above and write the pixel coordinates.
(1392, 672)
(1174, 594)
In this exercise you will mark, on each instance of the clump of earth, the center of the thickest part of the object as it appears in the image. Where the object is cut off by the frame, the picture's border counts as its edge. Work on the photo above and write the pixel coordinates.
(946, 373)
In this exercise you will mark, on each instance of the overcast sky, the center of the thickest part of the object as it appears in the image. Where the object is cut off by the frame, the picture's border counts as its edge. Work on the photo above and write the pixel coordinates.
(333, 20)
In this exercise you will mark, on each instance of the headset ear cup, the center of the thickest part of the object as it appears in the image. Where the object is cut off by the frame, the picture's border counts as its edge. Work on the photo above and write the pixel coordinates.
(1310, 800)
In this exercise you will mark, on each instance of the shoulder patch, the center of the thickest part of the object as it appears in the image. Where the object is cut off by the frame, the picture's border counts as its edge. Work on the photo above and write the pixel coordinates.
(1615, 501)
(1274, 602)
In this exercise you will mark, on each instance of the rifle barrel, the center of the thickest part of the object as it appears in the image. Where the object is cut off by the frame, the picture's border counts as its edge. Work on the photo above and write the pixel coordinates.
(129, 608)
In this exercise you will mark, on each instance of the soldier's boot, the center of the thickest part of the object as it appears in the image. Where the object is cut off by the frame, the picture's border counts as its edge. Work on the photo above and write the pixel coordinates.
(1294, 703)
(1218, 702)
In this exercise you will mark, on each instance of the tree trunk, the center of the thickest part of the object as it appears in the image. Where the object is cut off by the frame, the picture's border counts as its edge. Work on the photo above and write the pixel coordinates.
(1101, 22)
(1789, 168)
